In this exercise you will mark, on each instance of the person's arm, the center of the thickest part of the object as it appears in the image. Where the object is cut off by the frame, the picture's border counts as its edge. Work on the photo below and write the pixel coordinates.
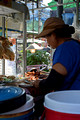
(55, 78)
(60, 69)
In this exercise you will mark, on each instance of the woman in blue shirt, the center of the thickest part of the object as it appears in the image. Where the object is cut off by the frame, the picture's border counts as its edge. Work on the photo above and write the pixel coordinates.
(65, 72)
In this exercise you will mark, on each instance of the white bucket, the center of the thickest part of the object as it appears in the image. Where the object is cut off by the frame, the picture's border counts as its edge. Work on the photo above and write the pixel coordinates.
(63, 105)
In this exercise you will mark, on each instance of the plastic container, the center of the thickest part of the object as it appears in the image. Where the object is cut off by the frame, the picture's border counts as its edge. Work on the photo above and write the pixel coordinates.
(62, 105)
(22, 113)
(11, 98)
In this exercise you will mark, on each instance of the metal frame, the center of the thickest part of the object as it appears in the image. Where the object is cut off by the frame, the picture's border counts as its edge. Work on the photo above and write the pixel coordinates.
(16, 8)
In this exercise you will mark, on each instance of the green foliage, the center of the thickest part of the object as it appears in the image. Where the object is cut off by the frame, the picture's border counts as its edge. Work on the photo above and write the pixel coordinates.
(37, 58)
(30, 25)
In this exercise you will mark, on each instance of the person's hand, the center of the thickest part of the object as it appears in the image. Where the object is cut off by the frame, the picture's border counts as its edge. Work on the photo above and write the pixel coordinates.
(36, 83)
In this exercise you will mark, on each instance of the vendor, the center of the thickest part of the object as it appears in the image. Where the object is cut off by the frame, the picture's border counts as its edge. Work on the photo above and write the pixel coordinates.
(65, 72)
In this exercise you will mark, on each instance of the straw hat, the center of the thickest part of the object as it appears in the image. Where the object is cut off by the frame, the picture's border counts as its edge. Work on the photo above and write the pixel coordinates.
(50, 25)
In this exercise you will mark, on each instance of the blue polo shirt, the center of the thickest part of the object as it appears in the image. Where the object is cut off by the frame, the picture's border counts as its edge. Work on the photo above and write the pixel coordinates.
(68, 54)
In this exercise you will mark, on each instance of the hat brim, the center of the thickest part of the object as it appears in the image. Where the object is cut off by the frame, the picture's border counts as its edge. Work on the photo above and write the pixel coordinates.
(44, 33)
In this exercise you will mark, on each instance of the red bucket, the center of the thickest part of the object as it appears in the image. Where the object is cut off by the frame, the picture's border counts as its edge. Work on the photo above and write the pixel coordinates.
(62, 105)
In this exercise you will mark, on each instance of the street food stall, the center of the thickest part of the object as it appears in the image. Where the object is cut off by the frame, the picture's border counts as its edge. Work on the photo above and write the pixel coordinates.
(14, 102)
(13, 89)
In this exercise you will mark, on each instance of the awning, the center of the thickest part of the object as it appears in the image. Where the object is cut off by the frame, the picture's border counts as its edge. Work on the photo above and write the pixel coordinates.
(64, 6)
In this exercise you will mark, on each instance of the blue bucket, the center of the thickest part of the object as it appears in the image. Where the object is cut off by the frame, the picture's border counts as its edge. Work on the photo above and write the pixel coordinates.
(22, 113)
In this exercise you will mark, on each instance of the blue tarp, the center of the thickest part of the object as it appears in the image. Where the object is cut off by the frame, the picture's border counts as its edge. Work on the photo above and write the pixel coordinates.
(68, 18)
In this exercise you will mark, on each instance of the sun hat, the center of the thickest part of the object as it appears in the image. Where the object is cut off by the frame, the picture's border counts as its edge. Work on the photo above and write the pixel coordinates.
(50, 25)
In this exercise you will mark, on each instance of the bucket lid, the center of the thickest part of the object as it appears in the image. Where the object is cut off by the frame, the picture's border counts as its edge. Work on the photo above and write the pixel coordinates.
(9, 92)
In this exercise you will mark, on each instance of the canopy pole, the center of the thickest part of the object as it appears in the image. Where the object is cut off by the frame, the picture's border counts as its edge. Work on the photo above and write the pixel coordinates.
(60, 9)
(33, 19)
(39, 18)
(77, 13)
(26, 41)
(24, 44)
(3, 34)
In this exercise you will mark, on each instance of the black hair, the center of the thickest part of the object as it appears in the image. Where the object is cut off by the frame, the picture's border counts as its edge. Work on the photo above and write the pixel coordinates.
(65, 31)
